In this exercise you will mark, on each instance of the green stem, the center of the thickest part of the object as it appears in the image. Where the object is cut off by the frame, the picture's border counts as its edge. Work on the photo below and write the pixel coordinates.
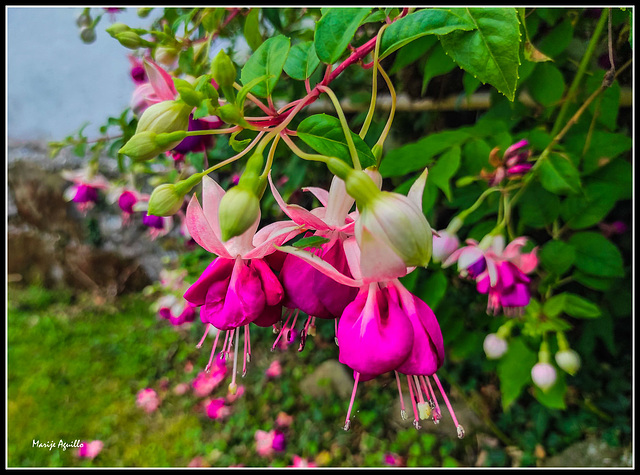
(387, 127)
(304, 155)
(272, 152)
(230, 130)
(581, 71)
(345, 127)
(234, 158)
(462, 216)
(374, 86)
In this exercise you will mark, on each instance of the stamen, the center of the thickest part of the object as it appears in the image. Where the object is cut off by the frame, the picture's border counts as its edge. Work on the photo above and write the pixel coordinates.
(226, 337)
(416, 424)
(312, 327)
(206, 332)
(437, 414)
(233, 386)
(213, 352)
(293, 324)
(459, 428)
(347, 422)
(335, 338)
(244, 354)
(403, 413)
(273, 348)
(248, 337)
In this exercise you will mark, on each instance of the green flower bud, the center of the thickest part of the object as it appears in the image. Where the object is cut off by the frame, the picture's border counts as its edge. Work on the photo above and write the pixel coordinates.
(239, 209)
(223, 70)
(569, 361)
(84, 19)
(117, 28)
(165, 55)
(144, 12)
(129, 39)
(142, 146)
(165, 200)
(87, 34)
(190, 96)
(230, 114)
(169, 140)
(165, 117)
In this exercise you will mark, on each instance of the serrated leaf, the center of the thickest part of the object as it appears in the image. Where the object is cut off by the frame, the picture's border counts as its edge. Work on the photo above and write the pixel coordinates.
(430, 21)
(335, 30)
(557, 256)
(311, 241)
(558, 174)
(302, 61)
(514, 370)
(596, 255)
(324, 134)
(267, 60)
(251, 29)
(491, 52)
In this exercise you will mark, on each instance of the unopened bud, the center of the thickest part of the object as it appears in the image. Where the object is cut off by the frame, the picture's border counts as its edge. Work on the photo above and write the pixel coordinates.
(569, 361)
(84, 19)
(144, 12)
(165, 55)
(190, 96)
(142, 146)
(494, 346)
(165, 117)
(239, 209)
(543, 375)
(444, 244)
(87, 34)
(165, 200)
(230, 114)
(129, 39)
(117, 28)
(223, 69)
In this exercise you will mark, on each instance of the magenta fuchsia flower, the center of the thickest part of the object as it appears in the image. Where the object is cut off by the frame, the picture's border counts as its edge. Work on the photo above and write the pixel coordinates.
(85, 188)
(147, 399)
(268, 443)
(217, 410)
(513, 164)
(393, 460)
(158, 87)
(498, 271)
(238, 287)
(91, 449)
(158, 226)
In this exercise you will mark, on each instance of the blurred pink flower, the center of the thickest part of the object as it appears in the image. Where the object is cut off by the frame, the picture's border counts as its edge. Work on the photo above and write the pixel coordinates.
(301, 462)
(181, 389)
(147, 399)
(205, 382)
(238, 393)
(90, 449)
(217, 410)
(284, 420)
(84, 191)
(274, 370)
(393, 460)
(267, 443)
(198, 462)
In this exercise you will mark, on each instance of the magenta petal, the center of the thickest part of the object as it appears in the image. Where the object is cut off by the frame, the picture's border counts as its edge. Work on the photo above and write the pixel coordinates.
(506, 277)
(269, 316)
(298, 281)
(374, 335)
(270, 284)
(219, 270)
(333, 295)
(483, 284)
(519, 297)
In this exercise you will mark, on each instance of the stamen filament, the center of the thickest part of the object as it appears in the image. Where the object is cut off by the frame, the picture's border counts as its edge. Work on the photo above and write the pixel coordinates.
(446, 400)
(213, 352)
(347, 422)
(403, 412)
(206, 332)
(281, 331)
(413, 404)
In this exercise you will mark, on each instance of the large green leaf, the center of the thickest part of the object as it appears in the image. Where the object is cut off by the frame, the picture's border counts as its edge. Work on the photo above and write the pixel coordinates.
(324, 134)
(251, 29)
(430, 21)
(491, 52)
(437, 63)
(558, 174)
(581, 212)
(538, 207)
(268, 60)
(546, 84)
(443, 170)
(596, 255)
(514, 370)
(335, 30)
(557, 256)
(302, 61)
(571, 304)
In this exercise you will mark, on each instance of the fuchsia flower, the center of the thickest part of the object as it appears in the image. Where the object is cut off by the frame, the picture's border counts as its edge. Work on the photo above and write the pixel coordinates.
(238, 287)
(513, 164)
(284, 420)
(274, 370)
(217, 410)
(498, 271)
(267, 443)
(171, 306)
(84, 191)
(543, 375)
(393, 460)
(301, 462)
(158, 225)
(444, 244)
(147, 399)
(205, 382)
(90, 450)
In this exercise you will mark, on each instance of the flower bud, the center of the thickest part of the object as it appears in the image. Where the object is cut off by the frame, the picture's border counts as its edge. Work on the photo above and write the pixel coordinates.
(144, 12)
(543, 375)
(568, 360)
(142, 146)
(223, 69)
(166, 56)
(129, 39)
(165, 117)
(444, 243)
(494, 346)
(117, 28)
(84, 19)
(239, 209)
(230, 114)
(87, 34)
(165, 200)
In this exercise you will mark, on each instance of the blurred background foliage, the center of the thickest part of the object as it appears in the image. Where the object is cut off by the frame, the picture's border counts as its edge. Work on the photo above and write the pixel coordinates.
(77, 360)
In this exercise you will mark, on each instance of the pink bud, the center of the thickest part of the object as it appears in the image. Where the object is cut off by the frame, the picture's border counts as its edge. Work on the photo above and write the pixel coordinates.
(543, 375)
(494, 346)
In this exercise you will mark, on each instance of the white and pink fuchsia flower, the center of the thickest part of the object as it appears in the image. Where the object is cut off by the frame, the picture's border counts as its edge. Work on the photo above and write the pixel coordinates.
(85, 188)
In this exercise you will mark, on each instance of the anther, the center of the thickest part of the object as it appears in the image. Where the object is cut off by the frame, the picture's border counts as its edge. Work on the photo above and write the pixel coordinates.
(460, 430)
(416, 424)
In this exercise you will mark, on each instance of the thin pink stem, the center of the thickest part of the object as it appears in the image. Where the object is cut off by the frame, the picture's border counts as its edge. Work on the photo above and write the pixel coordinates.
(446, 400)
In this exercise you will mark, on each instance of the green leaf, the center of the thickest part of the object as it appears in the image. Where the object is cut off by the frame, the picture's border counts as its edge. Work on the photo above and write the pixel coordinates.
(335, 30)
(412, 52)
(557, 256)
(514, 370)
(433, 289)
(554, 396)
(581, 212)
(546, 84)
(604, 147)
(268, 60)
(491, 52)
(437, 63)
(538, 207)
(430, 21)
(557, 40)
(302, 61)
(596, 255)
(324, 134)
(311, 241)
(251, 29)
(593, 282)
(558, 174)
(572, 305)
(415, 156)
(443, 170)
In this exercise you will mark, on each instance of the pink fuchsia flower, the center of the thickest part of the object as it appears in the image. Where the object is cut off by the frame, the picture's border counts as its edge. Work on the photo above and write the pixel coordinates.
(205, 382)
(217, 410)
(494, 346)
(543, 375)
(609, 229)
(393, 460)
(267, 443)
(85, 188)
(232, 396)
(158, 226)
(90, 450)
(284, 420)
(159, 87)
(301, 462)
(274, 370)
(513, 164)
(444, 244)
(137, 72)
(498, 271)
(181, 389)
(147, 399)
